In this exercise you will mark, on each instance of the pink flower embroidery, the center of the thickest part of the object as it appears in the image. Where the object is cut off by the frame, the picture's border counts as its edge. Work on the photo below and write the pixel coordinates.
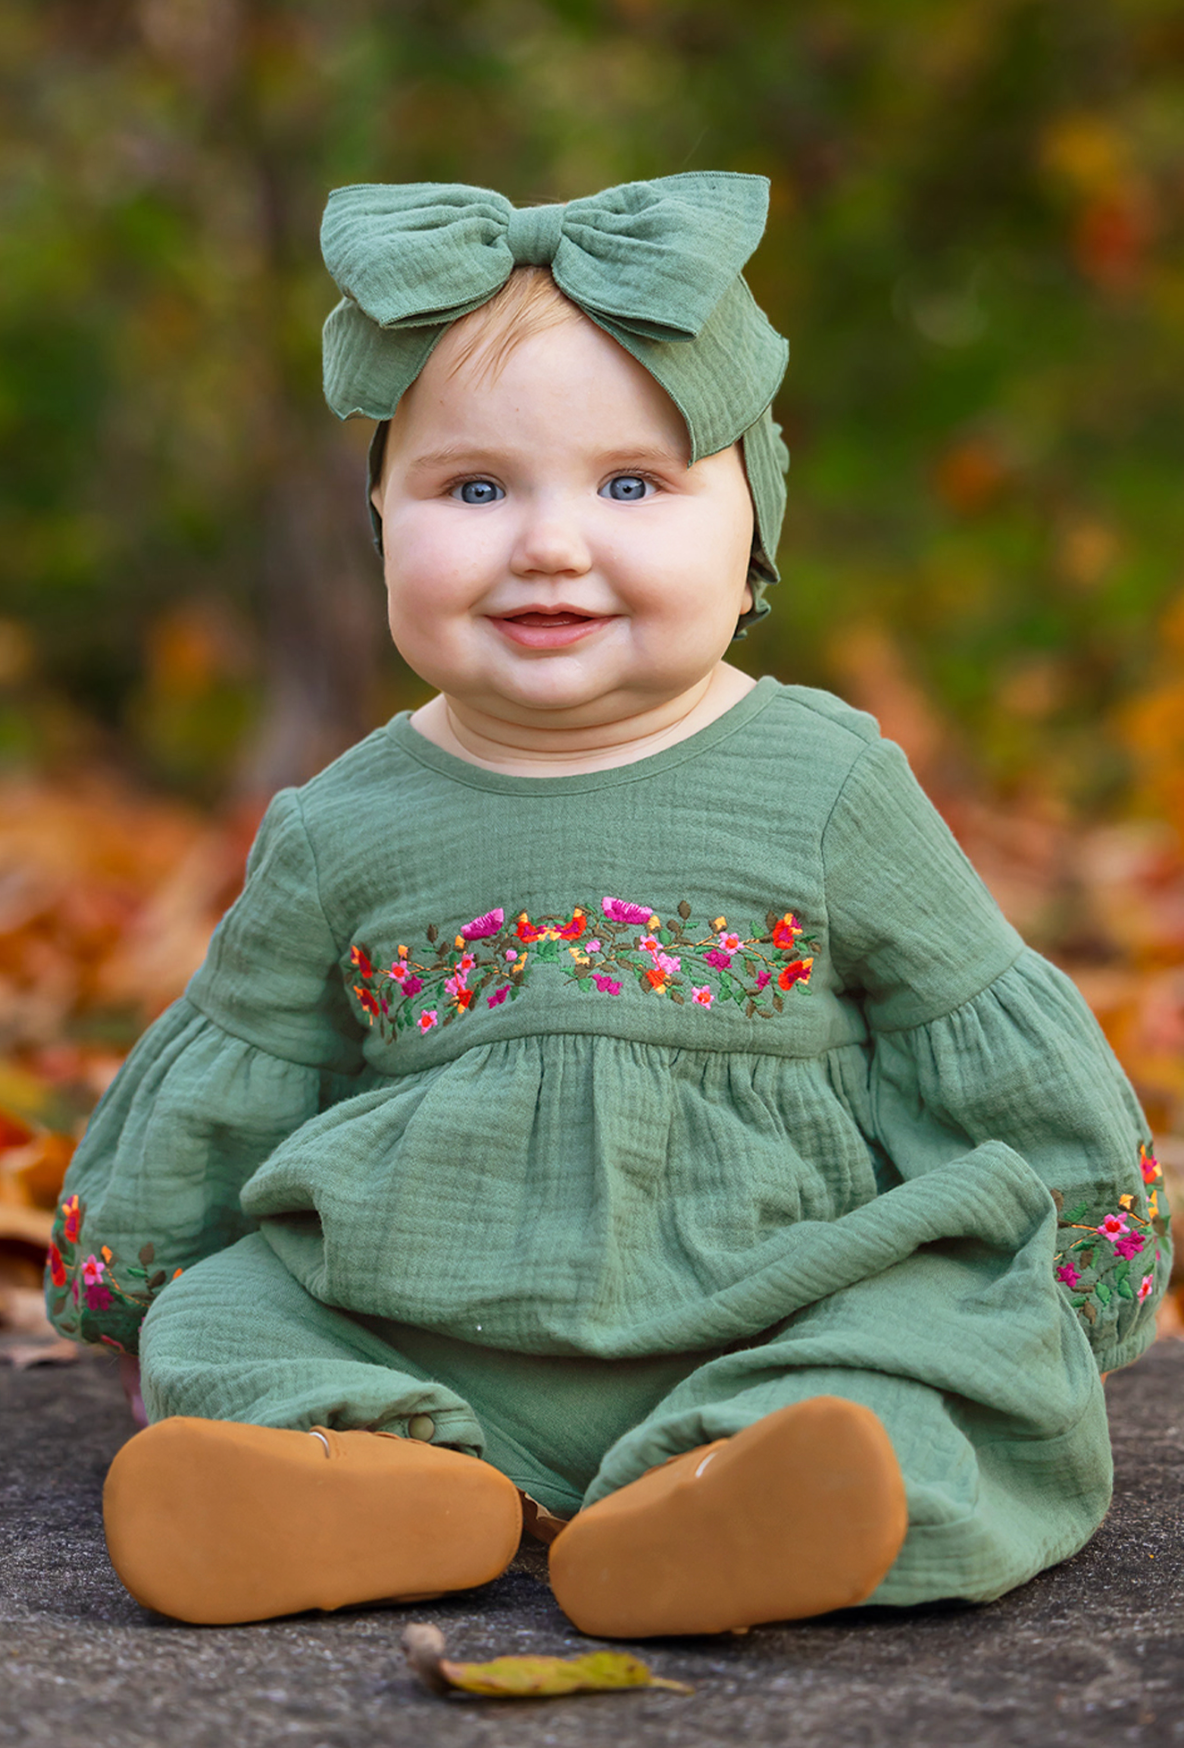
(730, 942)
(1068, 1274)
(593, 946)
(482, 926)
(1112, 1227)
(412, 985)
(465, 964)
(92, 1271)
(721, 960)
(498, 997)
(1145, 1286)
(606, 985)
(762, 977)
(1130, 1244)
(619, 910)
(427, 1019)
(455, 985)
(98, 1298)
(702, 994)
(398, 971)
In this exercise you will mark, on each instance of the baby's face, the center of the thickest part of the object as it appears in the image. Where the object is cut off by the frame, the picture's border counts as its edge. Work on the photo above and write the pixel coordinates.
(551, 560)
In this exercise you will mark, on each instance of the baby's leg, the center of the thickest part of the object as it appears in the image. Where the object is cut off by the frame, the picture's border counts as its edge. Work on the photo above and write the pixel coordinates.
(229, 1508)
(996, 1425)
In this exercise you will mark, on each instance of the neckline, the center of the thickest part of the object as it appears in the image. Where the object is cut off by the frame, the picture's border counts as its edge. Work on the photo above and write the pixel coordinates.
(426, 752)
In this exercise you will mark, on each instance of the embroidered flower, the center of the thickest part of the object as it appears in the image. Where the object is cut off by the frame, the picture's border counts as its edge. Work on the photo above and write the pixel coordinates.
(1129, 1245)
(619, 910)
(98, 1298)
(57, 1269)
(1148, 1164)
(92, 1270)
(1112, 1227)
(736, 965)
(72, 1214)
(485, 925)
(1145, 1286)
(786, 931)
(1068, 1274)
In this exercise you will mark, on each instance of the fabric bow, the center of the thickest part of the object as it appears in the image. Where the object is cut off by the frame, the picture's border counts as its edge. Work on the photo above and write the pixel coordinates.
(656, 264)
(654, 256)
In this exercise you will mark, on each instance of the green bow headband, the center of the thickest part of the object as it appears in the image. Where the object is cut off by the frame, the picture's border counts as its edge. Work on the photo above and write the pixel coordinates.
(656, 264)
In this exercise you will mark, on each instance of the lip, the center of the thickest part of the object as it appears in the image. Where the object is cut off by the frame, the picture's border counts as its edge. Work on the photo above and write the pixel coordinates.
(540, 628)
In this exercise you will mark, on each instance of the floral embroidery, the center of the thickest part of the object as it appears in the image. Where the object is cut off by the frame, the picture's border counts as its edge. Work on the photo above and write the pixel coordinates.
(83, 1282)
(492, 958)
(1097, 1265)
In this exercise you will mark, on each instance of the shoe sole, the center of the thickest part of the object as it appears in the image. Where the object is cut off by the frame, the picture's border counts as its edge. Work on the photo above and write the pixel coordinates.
(214, 1521)
(799, 1514)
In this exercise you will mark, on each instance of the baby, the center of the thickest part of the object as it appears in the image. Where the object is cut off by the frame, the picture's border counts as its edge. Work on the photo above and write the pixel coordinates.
(614, 1100)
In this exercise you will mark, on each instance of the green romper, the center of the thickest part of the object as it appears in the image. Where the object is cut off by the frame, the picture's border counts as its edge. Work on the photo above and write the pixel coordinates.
(579, 1121)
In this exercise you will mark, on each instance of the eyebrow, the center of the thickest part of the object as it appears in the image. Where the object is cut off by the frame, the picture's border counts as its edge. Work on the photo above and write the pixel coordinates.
(454, 454)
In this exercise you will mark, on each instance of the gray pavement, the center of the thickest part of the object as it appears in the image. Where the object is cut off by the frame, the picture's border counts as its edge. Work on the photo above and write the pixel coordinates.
(1092, 1652)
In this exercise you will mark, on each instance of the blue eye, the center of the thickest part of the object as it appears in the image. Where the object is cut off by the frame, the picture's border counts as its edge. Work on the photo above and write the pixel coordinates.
(626, 488)
(478, 491)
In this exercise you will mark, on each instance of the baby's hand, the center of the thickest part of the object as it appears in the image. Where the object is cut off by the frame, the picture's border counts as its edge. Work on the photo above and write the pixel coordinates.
(129, 1377)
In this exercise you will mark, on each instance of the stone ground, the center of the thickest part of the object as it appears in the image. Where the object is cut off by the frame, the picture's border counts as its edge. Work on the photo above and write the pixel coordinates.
(1092, 1652)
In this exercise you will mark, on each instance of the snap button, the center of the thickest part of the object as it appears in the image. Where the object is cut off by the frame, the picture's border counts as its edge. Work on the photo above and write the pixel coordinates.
(421, 1426)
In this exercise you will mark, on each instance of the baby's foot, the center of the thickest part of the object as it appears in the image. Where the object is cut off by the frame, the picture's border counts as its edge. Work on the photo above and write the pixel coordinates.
(215, 1521)
(801, 1513)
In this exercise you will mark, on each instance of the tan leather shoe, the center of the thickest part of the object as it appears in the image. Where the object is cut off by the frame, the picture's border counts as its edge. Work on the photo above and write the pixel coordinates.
(214, 1521)
(801, 1513)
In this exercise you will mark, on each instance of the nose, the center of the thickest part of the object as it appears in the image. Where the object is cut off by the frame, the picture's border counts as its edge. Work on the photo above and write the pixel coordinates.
(550, 541)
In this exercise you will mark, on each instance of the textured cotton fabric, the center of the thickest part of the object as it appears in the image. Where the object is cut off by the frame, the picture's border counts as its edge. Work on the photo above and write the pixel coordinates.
(705, 1083)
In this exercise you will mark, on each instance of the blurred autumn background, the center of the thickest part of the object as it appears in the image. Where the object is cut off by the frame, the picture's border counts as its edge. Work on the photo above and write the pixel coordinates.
(976, 245)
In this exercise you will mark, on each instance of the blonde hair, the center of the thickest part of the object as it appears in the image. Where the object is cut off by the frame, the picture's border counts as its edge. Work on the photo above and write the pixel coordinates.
(528, 303)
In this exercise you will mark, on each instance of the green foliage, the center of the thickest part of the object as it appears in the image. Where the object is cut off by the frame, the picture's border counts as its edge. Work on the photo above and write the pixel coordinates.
(974, 245)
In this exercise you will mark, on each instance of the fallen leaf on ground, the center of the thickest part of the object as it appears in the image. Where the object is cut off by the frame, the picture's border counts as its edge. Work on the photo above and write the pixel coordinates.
(525, 1677)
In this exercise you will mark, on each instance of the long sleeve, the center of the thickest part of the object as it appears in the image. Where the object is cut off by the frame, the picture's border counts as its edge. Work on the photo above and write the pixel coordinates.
(261, 1042)
(975, 1037)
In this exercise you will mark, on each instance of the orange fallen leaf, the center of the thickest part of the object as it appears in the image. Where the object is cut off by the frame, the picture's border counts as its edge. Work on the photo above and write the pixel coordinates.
(526, 1677)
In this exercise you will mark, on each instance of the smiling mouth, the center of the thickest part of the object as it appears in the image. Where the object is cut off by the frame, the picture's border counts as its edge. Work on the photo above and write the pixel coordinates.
(535, 628)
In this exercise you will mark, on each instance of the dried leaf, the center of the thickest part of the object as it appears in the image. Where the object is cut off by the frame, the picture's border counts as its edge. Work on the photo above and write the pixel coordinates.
(526, 1677)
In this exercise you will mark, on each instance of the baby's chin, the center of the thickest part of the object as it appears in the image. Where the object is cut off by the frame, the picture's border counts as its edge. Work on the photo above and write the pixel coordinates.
(549, 718)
